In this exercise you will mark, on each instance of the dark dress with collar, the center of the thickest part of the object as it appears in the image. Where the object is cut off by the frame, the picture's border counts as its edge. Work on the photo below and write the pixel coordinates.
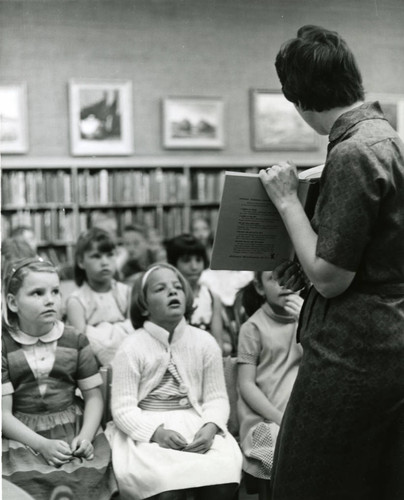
(342, 436)
(56, 414)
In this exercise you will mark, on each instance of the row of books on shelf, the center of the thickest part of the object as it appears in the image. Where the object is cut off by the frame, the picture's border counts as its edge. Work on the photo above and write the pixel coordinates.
(137, 186)
(63, 227)
(168, 221)
(147, 186)
(20, 188)
(207, 186)
(48, 225)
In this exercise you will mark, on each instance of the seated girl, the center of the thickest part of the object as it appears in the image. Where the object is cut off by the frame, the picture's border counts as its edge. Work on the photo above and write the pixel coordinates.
(99, 308)
(268, 361)
(169, 401)
(189, 256)
(50, 437)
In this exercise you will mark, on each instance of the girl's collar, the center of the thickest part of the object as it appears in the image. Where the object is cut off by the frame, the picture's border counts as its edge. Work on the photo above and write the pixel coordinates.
(277, 317)
(162, 334)
(22, 338)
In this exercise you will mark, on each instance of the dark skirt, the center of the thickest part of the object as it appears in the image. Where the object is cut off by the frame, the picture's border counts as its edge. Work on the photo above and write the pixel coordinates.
(342, 436)
(79, 479)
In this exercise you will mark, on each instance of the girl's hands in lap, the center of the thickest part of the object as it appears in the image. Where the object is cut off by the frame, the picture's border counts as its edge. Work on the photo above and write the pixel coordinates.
(82, 448)
(56, 452)
(203, 439)
(167, 438)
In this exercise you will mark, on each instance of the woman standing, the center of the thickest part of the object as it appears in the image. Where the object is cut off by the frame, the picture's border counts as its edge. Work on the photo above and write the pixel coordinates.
(342, 435)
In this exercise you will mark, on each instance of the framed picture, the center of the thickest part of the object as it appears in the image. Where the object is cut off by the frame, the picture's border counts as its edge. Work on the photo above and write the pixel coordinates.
(101, 117)
(276, 125)
(193, 123)
(393, 108)
(13, 118)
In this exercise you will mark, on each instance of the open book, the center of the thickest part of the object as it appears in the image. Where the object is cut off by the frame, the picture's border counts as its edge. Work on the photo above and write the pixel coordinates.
(250, 234)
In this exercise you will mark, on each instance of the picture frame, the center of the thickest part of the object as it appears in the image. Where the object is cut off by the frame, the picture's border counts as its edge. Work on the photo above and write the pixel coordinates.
(393, 108)
(276, 125)
(193, 123)
(101, 117)
(13, 118)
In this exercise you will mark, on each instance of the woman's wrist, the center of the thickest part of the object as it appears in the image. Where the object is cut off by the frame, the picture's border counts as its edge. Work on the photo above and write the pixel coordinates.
(288, 204)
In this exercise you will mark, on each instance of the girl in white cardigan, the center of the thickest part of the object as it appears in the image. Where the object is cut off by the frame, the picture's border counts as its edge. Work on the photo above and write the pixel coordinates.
(169, 400)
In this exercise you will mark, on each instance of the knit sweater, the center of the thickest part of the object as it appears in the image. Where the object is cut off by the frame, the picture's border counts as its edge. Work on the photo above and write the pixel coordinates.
(141, 363)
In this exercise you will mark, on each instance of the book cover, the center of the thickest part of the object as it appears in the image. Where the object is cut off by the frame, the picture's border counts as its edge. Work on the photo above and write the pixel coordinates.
(250, 234)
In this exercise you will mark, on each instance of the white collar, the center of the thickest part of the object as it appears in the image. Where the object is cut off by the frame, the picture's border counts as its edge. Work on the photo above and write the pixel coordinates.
(161, 333)
(23, 338)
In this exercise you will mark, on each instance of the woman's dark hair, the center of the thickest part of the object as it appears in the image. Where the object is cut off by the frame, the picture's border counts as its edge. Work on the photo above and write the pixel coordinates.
(138, 303)
(185, 245)
(93, 238)
(318, 71)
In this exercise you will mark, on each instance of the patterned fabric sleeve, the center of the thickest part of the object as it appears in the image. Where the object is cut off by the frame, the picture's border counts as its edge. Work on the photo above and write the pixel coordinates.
(88, 375)
(348, 205)
(249, 344)
(7, 386)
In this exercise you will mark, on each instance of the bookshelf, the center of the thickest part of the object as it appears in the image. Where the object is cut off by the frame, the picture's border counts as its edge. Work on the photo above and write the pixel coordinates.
(60, 197)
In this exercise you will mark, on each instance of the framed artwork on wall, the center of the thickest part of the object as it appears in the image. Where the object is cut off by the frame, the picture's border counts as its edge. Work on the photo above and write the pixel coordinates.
(276, 125)
(193, 123)
(101, 117)
(393, 108)
(13, 118)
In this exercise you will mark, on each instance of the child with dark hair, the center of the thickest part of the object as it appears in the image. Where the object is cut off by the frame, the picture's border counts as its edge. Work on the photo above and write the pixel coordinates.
(137, 253)
(189, 256)
(50, 437)
(169, 400)
(100, 307)
(268, 360)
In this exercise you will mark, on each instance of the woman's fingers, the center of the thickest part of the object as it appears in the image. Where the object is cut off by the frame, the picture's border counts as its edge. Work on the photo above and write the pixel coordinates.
(282, 270)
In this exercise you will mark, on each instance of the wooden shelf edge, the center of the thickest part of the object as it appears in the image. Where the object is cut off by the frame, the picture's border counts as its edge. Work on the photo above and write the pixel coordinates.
(261, 160)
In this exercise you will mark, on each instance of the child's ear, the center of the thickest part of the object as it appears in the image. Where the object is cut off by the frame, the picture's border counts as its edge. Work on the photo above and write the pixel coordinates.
(11, 303)
(259, 288)
(80, 263)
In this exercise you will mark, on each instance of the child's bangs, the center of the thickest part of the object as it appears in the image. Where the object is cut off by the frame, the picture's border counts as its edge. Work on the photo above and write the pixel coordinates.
(104, 244)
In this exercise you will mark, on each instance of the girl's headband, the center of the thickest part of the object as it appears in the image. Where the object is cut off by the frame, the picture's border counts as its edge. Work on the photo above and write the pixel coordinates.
(26, 262)
(147, 274)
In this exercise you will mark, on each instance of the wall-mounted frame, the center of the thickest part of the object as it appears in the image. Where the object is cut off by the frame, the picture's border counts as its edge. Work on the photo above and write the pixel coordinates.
(393, 108)
(101, 117)
(276, 125)
(13, 118)
(193, 123)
